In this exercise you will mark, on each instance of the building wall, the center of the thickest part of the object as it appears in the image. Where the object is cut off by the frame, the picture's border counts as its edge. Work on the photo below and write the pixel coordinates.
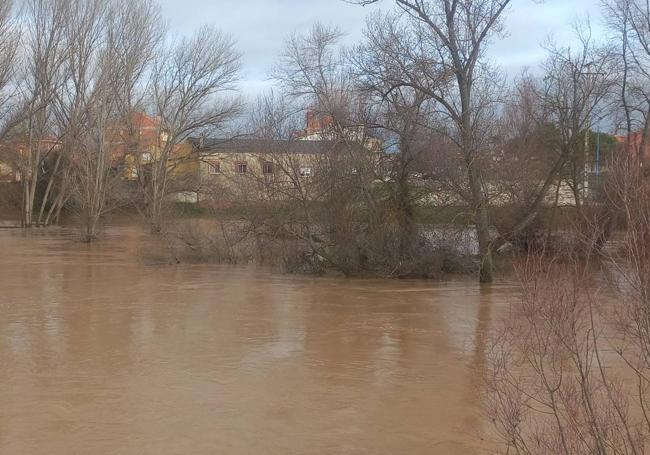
(229, 177)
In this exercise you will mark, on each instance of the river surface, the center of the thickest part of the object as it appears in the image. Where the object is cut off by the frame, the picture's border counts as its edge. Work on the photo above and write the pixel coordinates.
(102, 352)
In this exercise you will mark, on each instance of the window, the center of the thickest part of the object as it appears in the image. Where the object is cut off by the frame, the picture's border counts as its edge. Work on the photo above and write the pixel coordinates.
(146, 157)
(305, 171)
(355, 171)
(214, 167)
(241, 167)
(267, 167)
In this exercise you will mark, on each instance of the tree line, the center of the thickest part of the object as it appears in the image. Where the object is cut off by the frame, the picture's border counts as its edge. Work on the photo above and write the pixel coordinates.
(458, 133)
(74, 72)
(454, 130)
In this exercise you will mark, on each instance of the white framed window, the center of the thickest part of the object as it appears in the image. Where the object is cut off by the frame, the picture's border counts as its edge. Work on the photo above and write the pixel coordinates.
(305, 171)
(214, 167)
(241, 167)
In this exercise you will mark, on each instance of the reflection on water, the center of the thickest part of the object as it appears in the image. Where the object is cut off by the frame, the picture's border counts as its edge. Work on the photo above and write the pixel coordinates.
(103, 354)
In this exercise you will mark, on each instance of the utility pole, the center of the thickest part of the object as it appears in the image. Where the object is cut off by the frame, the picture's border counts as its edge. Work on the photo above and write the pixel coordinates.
(596, 167)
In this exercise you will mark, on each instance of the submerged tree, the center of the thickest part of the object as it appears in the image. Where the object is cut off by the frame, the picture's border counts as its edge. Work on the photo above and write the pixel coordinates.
(440, 53)
(45, 22)
(401, 118)
(106, 68)
(547, 124)
(190, 83)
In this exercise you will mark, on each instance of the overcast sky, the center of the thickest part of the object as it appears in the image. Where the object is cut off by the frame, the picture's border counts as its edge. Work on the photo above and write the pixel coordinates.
(260, 27)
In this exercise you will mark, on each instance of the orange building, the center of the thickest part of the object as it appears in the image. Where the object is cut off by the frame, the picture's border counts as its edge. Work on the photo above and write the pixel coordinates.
(142, 132)
(131, 144)
(13, 157)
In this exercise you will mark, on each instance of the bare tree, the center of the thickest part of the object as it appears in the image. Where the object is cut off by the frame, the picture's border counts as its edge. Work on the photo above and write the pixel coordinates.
(562, 106)
(137, 32)
(549, 389)
(10, 39)
(568, 371)
(315, 73)
(44, 21)
(108, 44)
(10, 99)
(577, 87)
(360, 203)
(85, 108)
(629, 20)
(190, 81)
(441, 54)
(308, 203)
(401, 115)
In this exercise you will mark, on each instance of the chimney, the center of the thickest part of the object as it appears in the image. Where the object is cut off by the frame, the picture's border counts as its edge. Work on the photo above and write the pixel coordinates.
(310, 121)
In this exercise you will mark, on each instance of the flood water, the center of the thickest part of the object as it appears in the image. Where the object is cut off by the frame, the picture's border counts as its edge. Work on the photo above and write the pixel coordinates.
(104, 353)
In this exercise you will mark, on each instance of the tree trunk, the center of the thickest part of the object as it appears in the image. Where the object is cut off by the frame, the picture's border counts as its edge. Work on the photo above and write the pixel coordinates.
(48, 190)
(27, 208)
(482, 222)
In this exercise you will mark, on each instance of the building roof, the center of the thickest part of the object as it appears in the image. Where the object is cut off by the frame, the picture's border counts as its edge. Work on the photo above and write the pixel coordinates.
(251, 145)
(144, 121)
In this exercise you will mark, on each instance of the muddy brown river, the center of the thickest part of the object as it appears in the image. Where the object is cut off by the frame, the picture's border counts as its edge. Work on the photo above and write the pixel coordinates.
(102, 352)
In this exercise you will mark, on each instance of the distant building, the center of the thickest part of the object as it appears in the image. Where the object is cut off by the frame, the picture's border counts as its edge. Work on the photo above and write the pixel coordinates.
(254, 166)
(321, 127)
(13, 156)
(140, 134)
(130, 145)
(256, 170)
(136, 143)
